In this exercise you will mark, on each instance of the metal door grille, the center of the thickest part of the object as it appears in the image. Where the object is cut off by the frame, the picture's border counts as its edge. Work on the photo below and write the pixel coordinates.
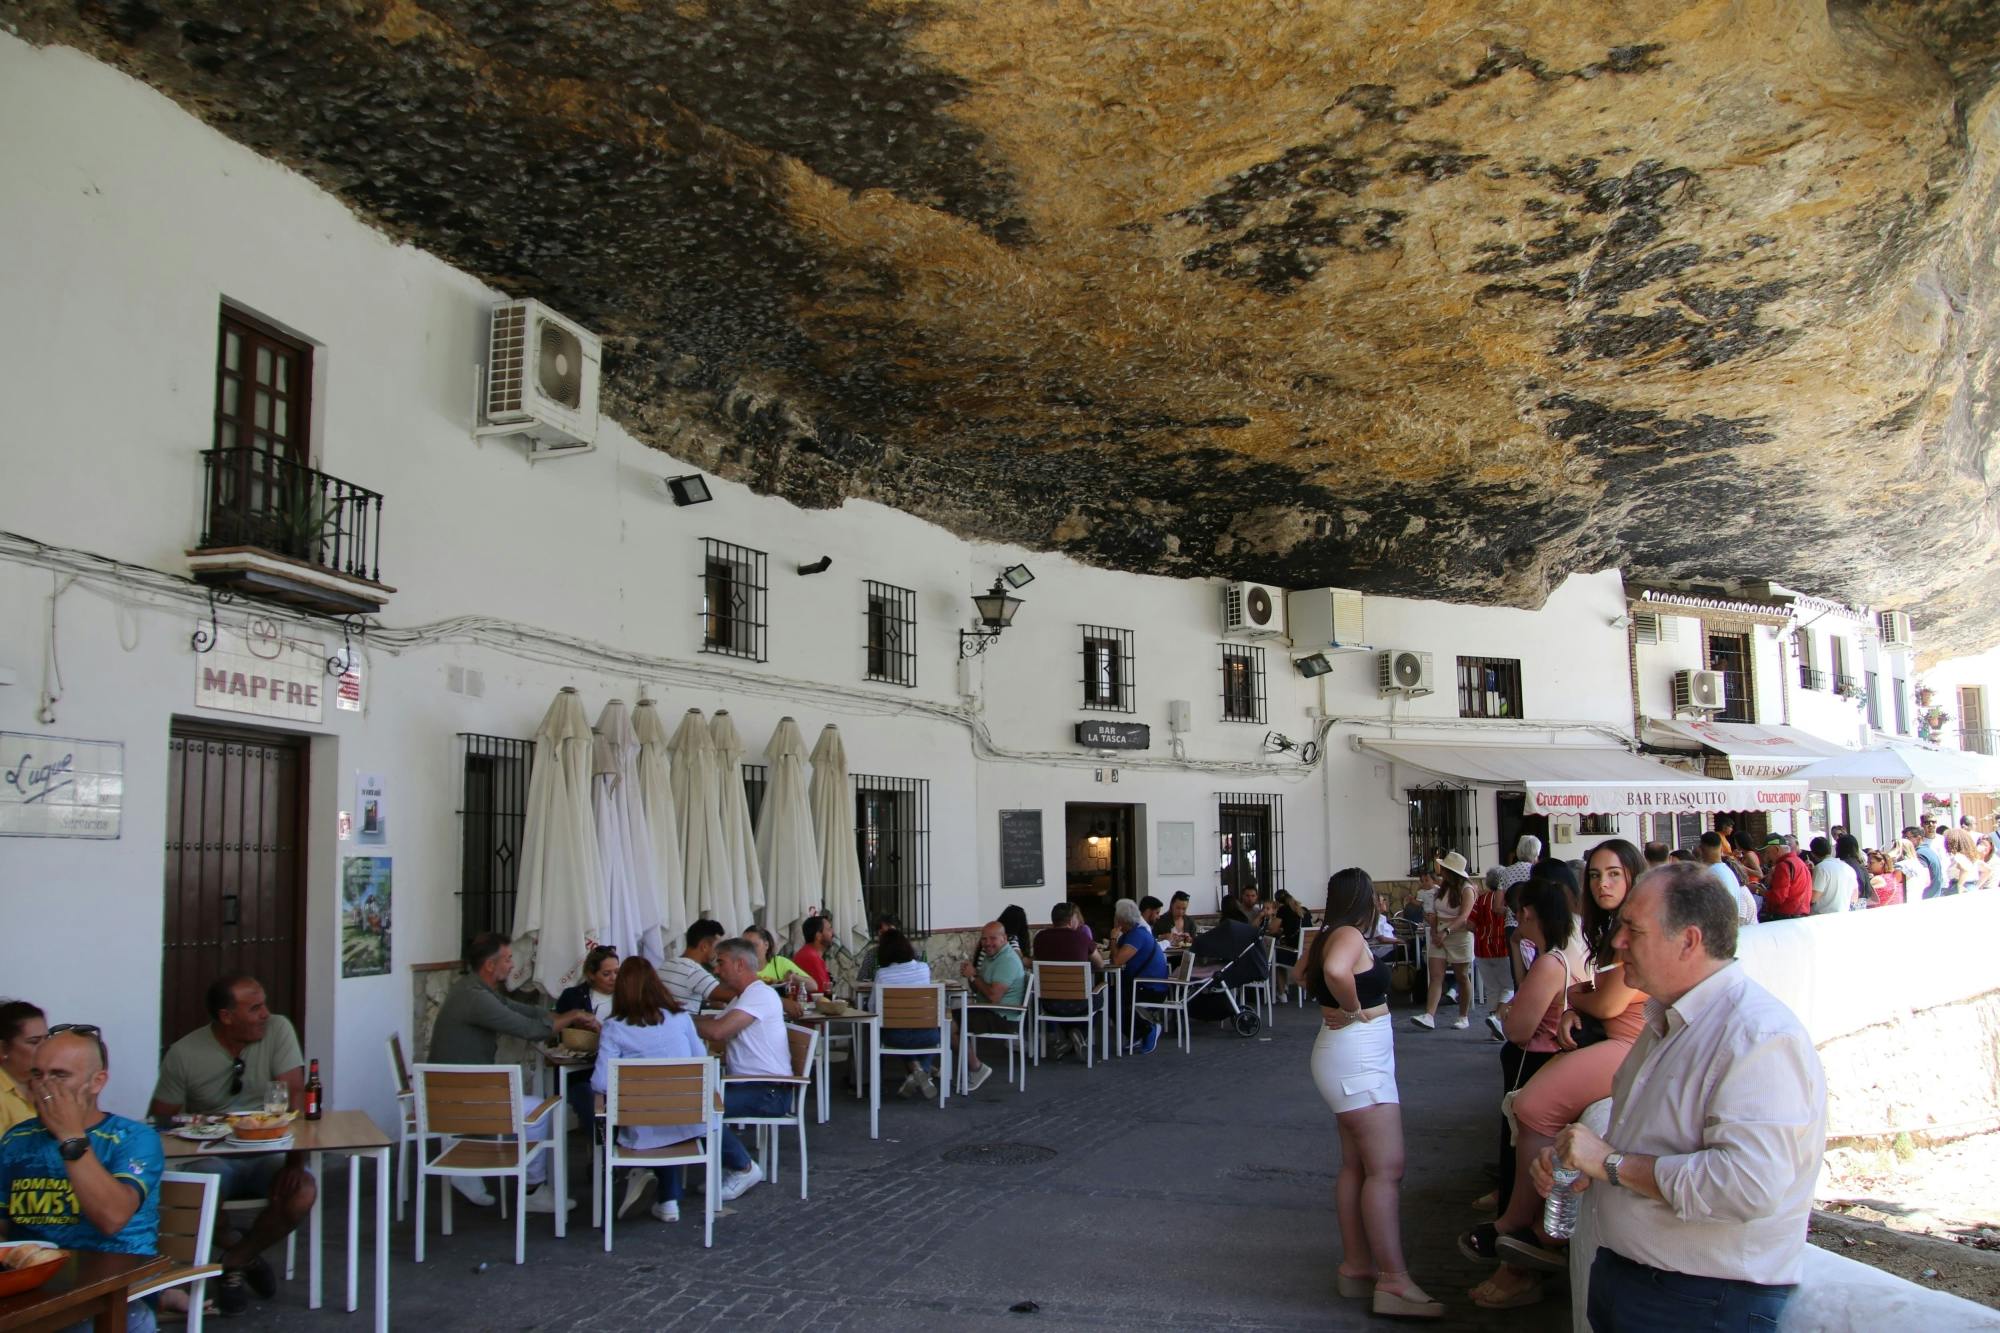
(892, 835)
(1242, 683)
(1107, 669)
(1441, 820)
(892, 634)
(756, 781)
(733, 584)
(492, 815)
(1250, 840)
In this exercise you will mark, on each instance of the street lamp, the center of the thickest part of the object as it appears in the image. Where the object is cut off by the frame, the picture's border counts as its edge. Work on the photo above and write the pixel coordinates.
(996, 612)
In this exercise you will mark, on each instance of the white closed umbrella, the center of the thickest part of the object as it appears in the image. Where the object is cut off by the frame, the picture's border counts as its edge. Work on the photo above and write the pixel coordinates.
(695, 807)
(559, 904)
(787, 849)
(833, 828)
(624, 841)
(1902, 769)
(739, 838)
(662, 827)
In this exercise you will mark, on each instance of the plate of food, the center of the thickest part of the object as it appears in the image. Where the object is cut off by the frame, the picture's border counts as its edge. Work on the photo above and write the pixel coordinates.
(27, 1264)
(261, 1126)
(202, 1131)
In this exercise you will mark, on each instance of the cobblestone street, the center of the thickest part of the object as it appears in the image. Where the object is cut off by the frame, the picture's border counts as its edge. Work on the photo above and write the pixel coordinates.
(1183, 1191)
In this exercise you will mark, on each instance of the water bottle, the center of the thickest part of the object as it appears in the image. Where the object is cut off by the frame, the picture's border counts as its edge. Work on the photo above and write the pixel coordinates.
(1559, 1212)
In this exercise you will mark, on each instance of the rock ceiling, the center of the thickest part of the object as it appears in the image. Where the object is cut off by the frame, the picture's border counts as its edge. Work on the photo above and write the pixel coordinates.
(1444, 299)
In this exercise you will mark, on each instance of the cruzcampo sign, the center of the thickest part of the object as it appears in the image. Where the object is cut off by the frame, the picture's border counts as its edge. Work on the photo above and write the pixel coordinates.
(1114, 735)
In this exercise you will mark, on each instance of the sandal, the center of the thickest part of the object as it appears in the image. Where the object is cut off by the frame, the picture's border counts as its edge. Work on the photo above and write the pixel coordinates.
(1410, 1303)
(1352, 1286)
(1489, 1296)
(1481, 1244)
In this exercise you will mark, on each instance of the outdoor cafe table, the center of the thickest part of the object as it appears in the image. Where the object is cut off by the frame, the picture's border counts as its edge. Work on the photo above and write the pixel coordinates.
(90, 1286)
(350, 1132)
(867, 1031)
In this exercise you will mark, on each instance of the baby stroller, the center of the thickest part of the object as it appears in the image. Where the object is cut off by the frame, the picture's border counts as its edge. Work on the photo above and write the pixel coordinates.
(1212, 999)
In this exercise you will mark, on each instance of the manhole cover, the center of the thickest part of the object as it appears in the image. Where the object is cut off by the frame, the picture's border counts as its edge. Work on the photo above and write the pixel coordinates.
(1000, 1154)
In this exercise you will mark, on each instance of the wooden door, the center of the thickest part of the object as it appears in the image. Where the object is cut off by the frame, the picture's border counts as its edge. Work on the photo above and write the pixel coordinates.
(235, 877)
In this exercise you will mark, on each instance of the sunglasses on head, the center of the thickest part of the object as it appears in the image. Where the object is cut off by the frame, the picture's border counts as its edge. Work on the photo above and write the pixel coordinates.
(90, 1030)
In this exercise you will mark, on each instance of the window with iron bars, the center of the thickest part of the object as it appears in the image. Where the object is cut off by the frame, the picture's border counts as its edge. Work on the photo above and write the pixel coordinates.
(1441, 820)
(492, 814)
(1489, 687)
(756, 781)
(1242, 683)
(1250, 841)
(892, 634)
(1107, 669)
(892, 837)
(732, 600)
(1596, 824)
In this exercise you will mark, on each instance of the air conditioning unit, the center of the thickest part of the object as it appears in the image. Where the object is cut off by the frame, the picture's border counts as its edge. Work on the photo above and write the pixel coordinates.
(1325, 618)
(1403, 671)
(541, 380)
(1895, 627)
(1698, 692)
(1253, 611)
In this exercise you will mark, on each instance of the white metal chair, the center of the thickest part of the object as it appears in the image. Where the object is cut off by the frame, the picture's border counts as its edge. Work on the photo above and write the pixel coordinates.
(1070, 983)
(1301, 944)
(406, 1119)
(639, 1093)
(915, 1008)
(1264, 992)
(188, 1202)
(805, 1052)
(1016, 1040)
(476, 1110)
(1170, 1001)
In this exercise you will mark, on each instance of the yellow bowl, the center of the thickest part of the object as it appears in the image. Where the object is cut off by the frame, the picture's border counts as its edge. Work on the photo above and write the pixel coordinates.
(261, 1125)
(578, 1039)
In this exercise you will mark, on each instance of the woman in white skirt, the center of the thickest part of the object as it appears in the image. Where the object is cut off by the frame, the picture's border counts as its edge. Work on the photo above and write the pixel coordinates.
(1354, 1067)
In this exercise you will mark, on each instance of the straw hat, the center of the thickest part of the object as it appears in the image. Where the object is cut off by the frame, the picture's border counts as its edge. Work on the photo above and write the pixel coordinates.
(1453, 863)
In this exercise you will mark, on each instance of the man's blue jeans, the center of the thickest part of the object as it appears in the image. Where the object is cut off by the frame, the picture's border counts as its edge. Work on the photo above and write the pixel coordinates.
(1628, 1297)
(752, 1099)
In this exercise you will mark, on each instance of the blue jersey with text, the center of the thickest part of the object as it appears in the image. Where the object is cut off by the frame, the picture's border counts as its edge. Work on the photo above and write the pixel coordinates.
(41, 1204)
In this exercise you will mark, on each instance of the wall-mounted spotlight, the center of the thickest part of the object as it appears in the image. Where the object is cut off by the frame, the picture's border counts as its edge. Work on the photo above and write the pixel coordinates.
(1277, 742)
(819, 566)
(1017, 576)
(996, 613)
(689, 490)
(1315, 665)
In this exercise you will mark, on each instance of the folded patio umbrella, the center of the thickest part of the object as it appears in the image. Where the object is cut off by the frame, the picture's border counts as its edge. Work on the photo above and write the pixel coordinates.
(559, 906)
(703, 874)
(739, 838)
(833, 827)
(663, 828)
(1901, 769)
(624, 841)
(787, 849)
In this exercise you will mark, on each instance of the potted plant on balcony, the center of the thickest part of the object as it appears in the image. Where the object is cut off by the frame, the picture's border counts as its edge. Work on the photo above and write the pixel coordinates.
(1930, 723)
(301, 521)
(1924, 696)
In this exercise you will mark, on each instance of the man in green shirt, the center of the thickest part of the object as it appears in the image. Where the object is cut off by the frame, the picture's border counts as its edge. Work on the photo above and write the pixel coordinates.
(999, 978)
(225, 1066)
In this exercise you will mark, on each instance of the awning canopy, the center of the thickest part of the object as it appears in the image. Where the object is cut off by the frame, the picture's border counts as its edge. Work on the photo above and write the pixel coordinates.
(1897, 769)
(1754, 750)
(1588, 779)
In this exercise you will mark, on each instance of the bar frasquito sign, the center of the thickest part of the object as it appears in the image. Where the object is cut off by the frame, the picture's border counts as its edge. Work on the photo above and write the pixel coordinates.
(1618, 798)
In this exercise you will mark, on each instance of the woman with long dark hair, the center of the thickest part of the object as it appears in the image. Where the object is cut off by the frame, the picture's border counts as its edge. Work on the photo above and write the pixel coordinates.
(22, 1030)
(1014, 919)
(646, 1023)
(1354, 1067)
(1847, 848)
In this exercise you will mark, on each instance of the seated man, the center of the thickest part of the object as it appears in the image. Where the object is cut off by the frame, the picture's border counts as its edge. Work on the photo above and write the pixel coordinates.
(688, 977)
(817, 932)
(756, 1046)
(1222, 947)
(1139, 959)
(999, 978)
(1149, 912)
(75, 1176)
(469, 1025)
(1063, 942)
(225, 1065)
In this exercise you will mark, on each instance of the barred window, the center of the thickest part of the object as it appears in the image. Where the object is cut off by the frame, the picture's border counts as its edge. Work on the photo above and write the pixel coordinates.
(1440, 821)
(892, 634)
(1489, 687)
(1250, 841)
(732, 600)
(1107, 669)
(892, 835)
(492, 815)
(756, 781)
(1242, 683)
(1596, 824)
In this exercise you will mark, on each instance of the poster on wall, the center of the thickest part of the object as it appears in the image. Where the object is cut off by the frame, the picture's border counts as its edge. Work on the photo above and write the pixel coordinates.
(365, 894)
(1020, 849)
(60, 787)
(371, 807)
(1176, 848)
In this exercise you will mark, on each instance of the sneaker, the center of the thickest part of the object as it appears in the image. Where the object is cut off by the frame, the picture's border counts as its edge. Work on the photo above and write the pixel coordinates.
(636, 1185)
(1150, 1042)
(231, 1296)
(472, 1189)
(1493, 1026)
(978, 1078)
(667, 1212)
(542, 1199)
(909, 1086)
(1425, 1021)
(1461, 1022)
(927, 1088)
(1079, 1044)
(734, 1183)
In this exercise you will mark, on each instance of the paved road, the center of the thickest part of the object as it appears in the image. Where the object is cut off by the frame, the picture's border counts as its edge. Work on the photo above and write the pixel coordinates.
(1183, 1191)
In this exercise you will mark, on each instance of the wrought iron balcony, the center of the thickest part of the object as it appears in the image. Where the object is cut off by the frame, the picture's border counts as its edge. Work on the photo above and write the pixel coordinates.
(1980, 742)
(1848, 687)
(1812, 680)
(278, 529)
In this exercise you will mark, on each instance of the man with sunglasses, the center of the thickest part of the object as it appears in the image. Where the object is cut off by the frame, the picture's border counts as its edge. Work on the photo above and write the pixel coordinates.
(225, 1065)
(76, 1176)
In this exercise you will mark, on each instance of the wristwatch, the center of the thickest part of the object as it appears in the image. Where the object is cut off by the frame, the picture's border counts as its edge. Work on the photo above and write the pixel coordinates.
(1611, 1162)
(73, 1149)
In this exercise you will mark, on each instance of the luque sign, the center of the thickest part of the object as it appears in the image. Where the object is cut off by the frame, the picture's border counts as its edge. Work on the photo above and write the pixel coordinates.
(60, 787)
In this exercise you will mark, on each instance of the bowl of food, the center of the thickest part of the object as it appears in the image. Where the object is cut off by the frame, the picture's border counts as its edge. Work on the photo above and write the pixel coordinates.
(830, 1006)
(580, 1040)
(27, 1264)
(255, 1126)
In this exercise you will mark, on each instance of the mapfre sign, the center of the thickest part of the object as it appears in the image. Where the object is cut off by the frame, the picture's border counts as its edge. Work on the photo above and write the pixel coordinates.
(263, 674)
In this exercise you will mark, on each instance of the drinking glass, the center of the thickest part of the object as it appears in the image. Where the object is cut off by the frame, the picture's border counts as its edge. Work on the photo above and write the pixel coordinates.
(277, 1098)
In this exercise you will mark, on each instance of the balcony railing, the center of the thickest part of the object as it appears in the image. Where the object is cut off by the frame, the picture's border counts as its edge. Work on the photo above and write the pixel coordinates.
(260, 503)
(1980, 742)
(1812, 680)
(1848, 687)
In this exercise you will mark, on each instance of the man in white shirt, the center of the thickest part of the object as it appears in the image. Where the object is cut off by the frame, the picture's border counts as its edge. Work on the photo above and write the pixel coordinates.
(1704, 1181)
(1713, 845)
(687, 977)
(1834, 881)
(758, 1047)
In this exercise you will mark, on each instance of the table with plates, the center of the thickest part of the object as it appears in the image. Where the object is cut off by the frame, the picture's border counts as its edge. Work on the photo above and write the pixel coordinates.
(89, 1285)
(348, 1132)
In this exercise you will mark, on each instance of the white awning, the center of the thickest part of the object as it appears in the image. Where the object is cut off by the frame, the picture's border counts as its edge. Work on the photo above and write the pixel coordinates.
(1900, 768)
(1588, 779)
(1754, 750)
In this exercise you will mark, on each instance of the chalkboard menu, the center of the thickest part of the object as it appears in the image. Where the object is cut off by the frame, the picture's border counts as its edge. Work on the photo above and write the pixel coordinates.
(1020, 849)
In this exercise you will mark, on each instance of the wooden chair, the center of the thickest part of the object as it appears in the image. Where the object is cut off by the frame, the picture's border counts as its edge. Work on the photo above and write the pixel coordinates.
(1172, 999)
(915, 1008)
(406, 1119)
(1016, 1041)
(805, 1050)
(188, 1202)
(1076, 983)
(641, 1093)
(476, 1110)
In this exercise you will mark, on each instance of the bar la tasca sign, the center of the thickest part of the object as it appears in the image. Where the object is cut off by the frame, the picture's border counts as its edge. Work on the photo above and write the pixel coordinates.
(264, 674)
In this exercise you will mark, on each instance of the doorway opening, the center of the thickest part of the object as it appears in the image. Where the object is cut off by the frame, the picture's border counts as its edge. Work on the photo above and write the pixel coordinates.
(1512, 820)
(235, 870)
(1101, 865)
